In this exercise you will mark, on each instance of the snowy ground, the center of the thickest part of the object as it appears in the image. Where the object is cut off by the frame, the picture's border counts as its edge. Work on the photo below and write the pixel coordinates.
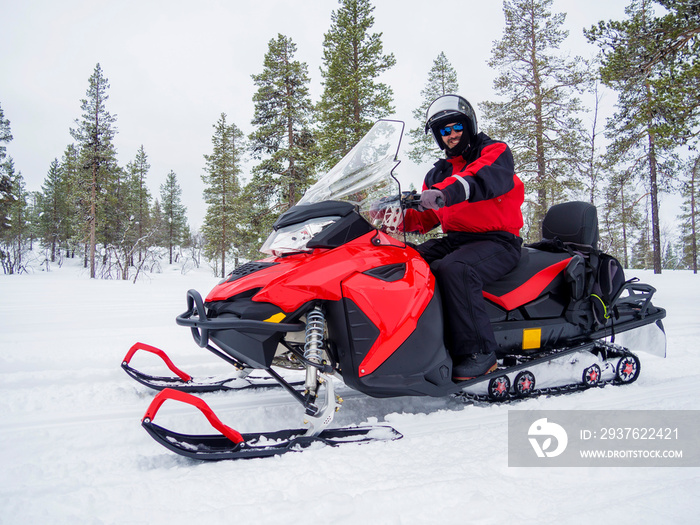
(72, 449)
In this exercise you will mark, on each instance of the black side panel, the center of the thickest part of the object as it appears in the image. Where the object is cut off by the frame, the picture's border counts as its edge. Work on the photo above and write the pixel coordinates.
(496, 313)
(249, 347)
(547, 306)
(363, 332)
(254, 349)
(420, 366)
(555, 333)
(339, 337)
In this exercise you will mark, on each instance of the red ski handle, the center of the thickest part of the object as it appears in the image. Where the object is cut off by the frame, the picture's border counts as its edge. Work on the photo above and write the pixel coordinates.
(184, 397)
(157, 351)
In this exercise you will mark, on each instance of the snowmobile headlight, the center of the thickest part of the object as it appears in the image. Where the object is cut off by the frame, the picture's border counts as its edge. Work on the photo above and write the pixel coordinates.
(295, 237)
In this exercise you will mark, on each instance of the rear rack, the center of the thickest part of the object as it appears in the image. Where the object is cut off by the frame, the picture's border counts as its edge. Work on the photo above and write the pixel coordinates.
(639, 297)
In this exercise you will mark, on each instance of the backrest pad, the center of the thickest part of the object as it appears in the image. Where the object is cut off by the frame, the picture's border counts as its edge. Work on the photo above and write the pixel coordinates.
(575, 222)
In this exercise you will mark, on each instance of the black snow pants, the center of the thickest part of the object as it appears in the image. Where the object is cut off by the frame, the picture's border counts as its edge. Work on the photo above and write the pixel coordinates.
(462, 263)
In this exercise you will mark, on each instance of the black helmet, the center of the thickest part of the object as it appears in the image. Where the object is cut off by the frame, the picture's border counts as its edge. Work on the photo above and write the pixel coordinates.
(447, 109)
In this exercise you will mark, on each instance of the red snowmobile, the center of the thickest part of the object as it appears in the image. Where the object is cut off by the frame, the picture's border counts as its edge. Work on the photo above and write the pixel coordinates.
(350, 300)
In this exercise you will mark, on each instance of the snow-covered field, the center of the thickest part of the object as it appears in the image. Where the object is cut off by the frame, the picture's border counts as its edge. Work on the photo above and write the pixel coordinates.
(72, 449)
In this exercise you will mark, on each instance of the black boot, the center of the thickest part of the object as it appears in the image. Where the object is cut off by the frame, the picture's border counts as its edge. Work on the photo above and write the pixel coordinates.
(474, 365)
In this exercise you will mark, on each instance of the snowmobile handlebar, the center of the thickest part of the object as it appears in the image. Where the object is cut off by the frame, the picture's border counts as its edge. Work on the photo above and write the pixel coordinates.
(196, 319)
(410, 200)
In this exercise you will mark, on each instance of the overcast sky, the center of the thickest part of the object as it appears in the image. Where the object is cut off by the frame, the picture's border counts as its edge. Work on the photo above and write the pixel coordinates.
(175, 66)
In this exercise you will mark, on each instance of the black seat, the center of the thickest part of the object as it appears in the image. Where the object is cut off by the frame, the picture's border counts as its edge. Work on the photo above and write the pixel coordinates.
(543, 265)
(573, 222)
(537, 272)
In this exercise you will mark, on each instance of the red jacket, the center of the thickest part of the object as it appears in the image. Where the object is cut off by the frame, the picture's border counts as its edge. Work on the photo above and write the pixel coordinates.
(495, 192)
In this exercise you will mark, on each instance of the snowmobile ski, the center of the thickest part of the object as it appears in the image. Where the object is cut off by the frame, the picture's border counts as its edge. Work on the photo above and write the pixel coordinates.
(186, 383)
(231, 444)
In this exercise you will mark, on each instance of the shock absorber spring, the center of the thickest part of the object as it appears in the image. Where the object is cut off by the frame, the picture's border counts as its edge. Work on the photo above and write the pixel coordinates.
(313, 346)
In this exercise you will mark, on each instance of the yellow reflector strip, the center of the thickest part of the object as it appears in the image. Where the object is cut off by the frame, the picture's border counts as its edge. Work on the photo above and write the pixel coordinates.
(532, 338)
(277, 318)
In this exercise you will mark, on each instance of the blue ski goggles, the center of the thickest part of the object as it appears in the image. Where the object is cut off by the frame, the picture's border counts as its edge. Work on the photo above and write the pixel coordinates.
(447, 130)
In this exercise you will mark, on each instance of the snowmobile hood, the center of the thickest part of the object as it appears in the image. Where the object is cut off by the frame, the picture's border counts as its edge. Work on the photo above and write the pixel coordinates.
(291, 281)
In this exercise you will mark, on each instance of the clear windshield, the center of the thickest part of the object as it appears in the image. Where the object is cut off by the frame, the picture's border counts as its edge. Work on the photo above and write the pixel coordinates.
(364, 174)
(362, 177)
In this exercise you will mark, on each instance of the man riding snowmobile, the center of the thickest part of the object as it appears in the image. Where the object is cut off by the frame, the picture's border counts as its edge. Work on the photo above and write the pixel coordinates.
(481, 218)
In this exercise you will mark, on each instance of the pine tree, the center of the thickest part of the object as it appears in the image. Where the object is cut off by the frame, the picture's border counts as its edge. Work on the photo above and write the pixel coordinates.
(5, 134)
(6, 197)
(690, 217)
(673, 68)
(619, 216)
(282, 138)
(138, 170)
(34, 199)
(94, 134)
(174, 212)
(259, 214)
(442, 80)
(539, 114)
(352, 98)
(73, 222)
(652, 64)
(126, 239)
(55, 210)
(222, 192)
(117, 222)
(670, 257)
(14, 232)
(642, 251)
(158, 224)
